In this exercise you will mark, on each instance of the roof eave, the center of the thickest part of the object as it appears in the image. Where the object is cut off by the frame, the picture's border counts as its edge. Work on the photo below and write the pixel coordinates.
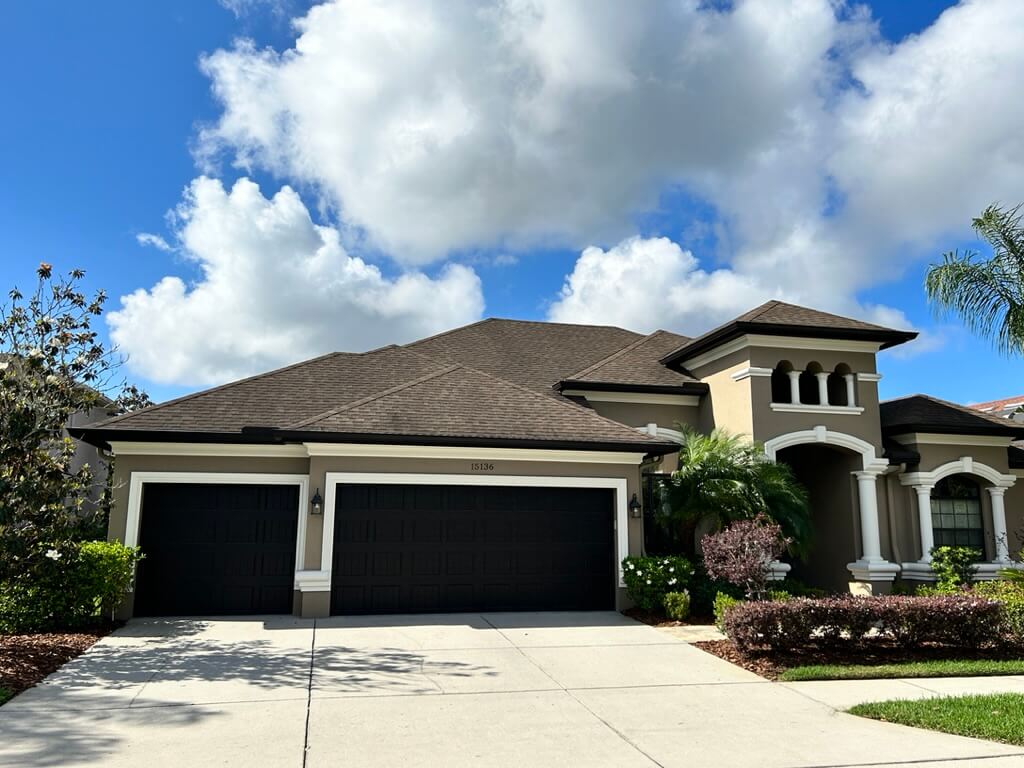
(886, 337)
(686, 388)
(270, 436)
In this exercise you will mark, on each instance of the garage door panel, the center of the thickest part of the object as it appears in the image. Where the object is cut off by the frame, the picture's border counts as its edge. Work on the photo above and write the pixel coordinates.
(216, 549)
(468, 548)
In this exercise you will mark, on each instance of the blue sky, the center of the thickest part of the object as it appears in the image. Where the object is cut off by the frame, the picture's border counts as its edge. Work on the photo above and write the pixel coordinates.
(106, 106)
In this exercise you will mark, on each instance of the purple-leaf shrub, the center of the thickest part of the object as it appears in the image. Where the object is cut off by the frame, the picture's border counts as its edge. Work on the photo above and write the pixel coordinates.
(959, 621)
(742, 553)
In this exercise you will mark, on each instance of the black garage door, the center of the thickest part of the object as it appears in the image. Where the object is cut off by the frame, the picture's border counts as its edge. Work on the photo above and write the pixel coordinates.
(216, 549)
(429, 548)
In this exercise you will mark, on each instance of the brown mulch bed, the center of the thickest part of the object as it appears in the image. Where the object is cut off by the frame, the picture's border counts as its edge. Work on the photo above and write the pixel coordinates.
(655, 619)
(27, 659)
(771, 666)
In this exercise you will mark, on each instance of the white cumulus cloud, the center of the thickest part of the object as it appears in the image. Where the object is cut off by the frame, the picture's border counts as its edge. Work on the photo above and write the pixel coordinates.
(274, 288)
(155, 241)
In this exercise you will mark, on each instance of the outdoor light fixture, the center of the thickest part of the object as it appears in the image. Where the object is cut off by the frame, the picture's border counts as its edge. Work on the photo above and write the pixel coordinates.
(635, 510)
(318, 503)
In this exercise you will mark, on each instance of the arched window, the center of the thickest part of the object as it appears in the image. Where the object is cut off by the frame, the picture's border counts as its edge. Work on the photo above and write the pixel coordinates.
(956, 513)
(781, 390)
(809, 384)
(837, 392)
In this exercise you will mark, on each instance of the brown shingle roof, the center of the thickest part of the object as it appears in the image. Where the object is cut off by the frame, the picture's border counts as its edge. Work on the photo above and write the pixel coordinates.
(923, 413)
(637, 364)
(778, 318)
(532, 354)
(283, 396)
(448, 404)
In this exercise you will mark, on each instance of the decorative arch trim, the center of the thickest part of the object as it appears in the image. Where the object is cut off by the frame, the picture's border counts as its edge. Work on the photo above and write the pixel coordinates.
(965, 465)
(821, 434)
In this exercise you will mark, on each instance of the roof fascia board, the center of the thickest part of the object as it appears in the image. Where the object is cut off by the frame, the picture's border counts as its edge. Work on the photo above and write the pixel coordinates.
(780, 342)
(642, 398)
(484, 454)
(136, 448)
(923, 438)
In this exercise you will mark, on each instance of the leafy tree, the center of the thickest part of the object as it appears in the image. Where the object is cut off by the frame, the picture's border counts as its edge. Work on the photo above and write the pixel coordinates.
(726, 478)
(987, 294)
(52, 365)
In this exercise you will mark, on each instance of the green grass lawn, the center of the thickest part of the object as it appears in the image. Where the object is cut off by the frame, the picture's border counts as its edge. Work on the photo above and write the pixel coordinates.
(5, 694)
(996, 717)
(950, 668)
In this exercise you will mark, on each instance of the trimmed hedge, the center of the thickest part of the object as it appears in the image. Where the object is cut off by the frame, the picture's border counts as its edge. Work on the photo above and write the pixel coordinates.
(961, 621)
(1011, 595)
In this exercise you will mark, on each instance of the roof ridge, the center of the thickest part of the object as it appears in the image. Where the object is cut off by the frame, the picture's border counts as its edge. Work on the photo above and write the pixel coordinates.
(613, 356)
(218, 388)
(770, 304)
(481, 321)
(375, 396)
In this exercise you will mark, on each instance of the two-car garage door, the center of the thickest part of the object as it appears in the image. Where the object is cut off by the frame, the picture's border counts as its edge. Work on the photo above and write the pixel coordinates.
(215, 549)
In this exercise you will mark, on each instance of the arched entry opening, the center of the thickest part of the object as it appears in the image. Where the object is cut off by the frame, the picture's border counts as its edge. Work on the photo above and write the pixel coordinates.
(841, 473)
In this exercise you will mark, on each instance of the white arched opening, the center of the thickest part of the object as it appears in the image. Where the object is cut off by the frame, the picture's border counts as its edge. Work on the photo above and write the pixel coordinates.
(924, 482)
(871, 566)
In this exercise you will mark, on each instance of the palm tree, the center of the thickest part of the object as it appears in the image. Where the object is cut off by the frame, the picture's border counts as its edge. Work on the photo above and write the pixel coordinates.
(724, 477)
(987, 294)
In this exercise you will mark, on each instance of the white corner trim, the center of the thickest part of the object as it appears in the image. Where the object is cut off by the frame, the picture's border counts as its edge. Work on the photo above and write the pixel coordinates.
(139, 479)
(869, 377)
(642, 398)
(481, 454)
(922, 438)
(820, 434)
(617, 484)
(780, 342)
(313, 581)
(808, 408)
(1017, 472)
(128, 448)
(750, 372)
(965, 465)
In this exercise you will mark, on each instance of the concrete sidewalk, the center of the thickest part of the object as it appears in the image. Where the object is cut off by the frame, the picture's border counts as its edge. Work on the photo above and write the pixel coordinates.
(554, 689)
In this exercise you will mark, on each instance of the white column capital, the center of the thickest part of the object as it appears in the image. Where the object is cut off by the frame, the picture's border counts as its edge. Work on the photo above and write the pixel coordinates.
(865, 474)
(996, 490)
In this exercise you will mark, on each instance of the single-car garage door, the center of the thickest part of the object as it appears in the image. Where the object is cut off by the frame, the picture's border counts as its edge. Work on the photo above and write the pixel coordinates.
(216, 549)
(432, 548)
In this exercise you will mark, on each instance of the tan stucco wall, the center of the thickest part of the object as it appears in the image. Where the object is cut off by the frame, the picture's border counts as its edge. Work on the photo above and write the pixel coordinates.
(1015, 518)
(728, 404)
(642, 414)
(317, 604)
(768, 423)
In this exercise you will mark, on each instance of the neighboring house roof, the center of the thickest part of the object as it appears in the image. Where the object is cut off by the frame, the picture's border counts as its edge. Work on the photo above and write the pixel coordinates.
(777, 318)
(637, 367)
(1004, 407)
(922, 413)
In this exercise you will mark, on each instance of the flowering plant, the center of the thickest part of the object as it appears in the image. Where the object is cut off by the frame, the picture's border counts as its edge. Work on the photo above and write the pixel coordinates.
(648, 579)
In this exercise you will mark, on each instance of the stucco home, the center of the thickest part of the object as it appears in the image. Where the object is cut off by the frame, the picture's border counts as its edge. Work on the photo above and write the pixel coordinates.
(502, 466)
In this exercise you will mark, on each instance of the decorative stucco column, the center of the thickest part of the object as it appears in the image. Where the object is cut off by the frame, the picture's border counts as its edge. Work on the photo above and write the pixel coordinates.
(999, 523)
(794, 386)
(851, 389)
(924, 521)
(822, 378)
(871, 566)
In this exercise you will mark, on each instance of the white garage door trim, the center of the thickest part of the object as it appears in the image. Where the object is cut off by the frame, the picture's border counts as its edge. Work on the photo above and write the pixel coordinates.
(617, 484)
(139, 479)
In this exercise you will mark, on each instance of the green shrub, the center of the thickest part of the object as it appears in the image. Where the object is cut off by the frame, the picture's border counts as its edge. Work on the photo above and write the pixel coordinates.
(677, 605)
(81, 586)
(1011, 595)
(649, 579)
(953, 567)
(723, 602)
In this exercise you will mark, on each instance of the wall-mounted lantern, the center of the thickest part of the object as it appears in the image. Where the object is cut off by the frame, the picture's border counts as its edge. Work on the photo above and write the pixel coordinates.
(318, 503)
(635, 510)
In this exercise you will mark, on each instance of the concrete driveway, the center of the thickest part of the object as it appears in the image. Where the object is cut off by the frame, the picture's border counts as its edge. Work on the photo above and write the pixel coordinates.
(550, 689)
